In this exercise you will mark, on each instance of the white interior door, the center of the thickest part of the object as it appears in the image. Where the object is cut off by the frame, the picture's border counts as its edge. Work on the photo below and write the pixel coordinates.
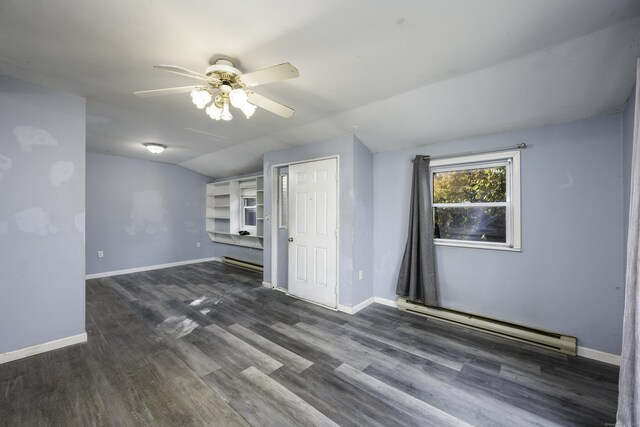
(313, 231)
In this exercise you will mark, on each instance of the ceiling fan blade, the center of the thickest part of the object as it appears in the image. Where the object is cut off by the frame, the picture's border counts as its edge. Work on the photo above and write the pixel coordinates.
(269, 75)
(167, 91)
(181, 71)
(270, 105)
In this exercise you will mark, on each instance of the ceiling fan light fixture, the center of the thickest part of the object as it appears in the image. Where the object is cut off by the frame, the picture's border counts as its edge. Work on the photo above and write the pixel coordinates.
(214, 111)
(248, 109)
(155, 148)
(238, 98)
(226, 114)
(200, 98)
(222, 85)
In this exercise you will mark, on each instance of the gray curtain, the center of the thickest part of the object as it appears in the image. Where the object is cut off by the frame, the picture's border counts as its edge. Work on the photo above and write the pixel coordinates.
(417, 278)
(629, 383)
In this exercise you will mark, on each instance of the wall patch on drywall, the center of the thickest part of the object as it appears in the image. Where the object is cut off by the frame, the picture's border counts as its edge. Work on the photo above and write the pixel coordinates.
(568, 182)
(79, 221)
(147, 213)
(29, 136)
(35, 221)
(61, 172)
(4, 227)
(5, 165)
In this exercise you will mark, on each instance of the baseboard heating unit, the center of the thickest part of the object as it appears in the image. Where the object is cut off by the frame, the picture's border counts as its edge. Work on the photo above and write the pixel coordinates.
(538, 337)
(242, 264)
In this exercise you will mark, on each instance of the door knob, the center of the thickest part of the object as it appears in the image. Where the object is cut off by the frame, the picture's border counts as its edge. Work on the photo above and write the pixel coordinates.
(290, 239)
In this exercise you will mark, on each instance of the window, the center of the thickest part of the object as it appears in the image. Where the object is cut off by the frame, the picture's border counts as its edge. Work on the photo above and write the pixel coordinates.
(283, 200)
(476, 200)
(248, 211)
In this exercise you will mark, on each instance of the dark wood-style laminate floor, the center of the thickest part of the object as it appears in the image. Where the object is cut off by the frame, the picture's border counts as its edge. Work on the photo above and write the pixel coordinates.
(205, 344)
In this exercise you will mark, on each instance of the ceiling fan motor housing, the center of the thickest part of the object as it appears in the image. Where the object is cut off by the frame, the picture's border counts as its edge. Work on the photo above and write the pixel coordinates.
(223, 67)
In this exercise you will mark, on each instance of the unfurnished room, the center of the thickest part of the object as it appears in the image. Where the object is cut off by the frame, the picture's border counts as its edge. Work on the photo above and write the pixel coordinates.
(320, 213)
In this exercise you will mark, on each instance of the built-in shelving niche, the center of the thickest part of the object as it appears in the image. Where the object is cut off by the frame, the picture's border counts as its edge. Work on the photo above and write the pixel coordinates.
(224, 208)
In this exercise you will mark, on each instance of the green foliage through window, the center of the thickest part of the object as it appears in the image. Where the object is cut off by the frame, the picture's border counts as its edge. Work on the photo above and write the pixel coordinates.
(471, 186)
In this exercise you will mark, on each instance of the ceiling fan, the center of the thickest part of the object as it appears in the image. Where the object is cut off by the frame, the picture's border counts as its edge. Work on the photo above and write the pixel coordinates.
(223, 85)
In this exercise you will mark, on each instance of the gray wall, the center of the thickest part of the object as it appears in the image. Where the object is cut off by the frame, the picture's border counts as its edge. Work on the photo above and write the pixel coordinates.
(628, 118)
(568, 277)
(143, 213)
(363, 214)
(42, 168)
(283, 247)
(343, 147)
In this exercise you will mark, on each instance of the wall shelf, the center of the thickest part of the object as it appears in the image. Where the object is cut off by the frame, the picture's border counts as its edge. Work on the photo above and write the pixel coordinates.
(224, 206)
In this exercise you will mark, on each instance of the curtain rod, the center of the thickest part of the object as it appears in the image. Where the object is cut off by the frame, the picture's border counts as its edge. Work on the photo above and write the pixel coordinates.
(520, 146)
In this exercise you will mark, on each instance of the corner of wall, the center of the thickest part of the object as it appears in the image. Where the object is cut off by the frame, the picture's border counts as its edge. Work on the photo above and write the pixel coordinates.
(362, 201)
(42, 182)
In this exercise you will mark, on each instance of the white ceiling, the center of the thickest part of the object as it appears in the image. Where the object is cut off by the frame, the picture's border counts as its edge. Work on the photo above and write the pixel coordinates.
(395, 73)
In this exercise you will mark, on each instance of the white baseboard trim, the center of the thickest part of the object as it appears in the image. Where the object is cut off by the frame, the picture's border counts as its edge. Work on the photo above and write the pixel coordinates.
(355, 308)
(148, 268)
(601, 356)
(345, 309)
(274, 287)
(384, 301)
(42, 348)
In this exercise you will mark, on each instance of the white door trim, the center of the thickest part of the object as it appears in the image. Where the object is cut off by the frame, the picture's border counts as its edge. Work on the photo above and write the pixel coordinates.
(274, 223)
(313, 232)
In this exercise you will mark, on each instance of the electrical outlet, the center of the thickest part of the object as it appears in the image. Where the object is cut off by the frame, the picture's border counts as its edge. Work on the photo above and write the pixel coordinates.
(360, 275)
(198, 245)
(100, 254)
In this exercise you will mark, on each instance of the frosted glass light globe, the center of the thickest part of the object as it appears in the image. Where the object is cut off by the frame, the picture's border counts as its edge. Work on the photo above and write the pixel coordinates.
(200, 98)
(214, 111)
(238, 98)
(248, 109)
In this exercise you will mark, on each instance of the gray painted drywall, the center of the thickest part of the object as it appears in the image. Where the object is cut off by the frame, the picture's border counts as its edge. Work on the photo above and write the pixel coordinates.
(42, 169)
(568, 277)
(142, 213)
(362, 222)
(243, 253)
(283, 248)
(342, 147)
(628, 118)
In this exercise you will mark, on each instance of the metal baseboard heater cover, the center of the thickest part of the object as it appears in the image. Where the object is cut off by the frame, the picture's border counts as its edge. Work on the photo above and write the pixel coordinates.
(538, 337)
(242, 264)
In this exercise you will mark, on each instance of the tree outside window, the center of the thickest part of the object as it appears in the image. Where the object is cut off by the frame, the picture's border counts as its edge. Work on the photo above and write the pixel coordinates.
(476, 202)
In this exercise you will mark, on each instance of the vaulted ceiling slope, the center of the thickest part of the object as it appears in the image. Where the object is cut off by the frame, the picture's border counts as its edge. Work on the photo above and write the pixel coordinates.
(396, 73)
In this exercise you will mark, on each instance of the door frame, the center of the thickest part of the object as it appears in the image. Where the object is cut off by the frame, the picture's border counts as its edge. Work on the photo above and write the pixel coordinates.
(274, 224)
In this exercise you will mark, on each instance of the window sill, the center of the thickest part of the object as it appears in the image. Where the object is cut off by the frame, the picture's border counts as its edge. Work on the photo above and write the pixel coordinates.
(477, 246)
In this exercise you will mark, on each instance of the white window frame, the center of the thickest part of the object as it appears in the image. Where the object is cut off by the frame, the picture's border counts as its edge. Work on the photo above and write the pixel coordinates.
(253, 229)
(252, 188)
(283, 220)
(512, 161)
